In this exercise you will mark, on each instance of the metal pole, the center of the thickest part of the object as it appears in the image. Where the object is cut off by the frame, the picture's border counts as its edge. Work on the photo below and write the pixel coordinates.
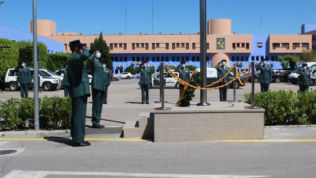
(35, 66)
(162, 85)
(252, 88)
(203, 93)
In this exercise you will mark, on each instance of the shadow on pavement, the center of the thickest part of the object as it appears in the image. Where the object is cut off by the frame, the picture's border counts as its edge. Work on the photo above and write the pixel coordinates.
(130, 102)
(89, 117)
(66, 141)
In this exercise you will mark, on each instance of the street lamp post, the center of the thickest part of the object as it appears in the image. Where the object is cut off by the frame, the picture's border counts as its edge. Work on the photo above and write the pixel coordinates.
(35, 66)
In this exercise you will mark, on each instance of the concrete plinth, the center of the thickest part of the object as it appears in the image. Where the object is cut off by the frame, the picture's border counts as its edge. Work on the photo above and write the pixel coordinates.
(220, 121)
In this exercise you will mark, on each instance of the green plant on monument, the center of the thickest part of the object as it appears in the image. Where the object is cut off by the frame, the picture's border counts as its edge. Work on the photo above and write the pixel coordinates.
(189, 93)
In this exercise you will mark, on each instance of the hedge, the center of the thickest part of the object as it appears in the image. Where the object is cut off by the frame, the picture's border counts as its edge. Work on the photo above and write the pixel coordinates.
(286, 107)
(131, 70)
(55, 113)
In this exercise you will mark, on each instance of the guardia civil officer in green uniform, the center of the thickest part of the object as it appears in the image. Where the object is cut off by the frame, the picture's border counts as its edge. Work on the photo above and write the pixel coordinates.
(107, 82)
(305, 77)
(221, 71)
(184, 74)
(65, 81)
(24, 78)
(79, 91)
(98, 87)
(265, 75)
(144, 81)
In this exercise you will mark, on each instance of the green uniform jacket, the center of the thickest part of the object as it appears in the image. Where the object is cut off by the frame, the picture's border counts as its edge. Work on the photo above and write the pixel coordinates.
(221, 71)
(145, 75)
(305, 77)
(77, 74)
(97, 70)
(184, 73)
(24, 75)
(107, 77)
(265, 74)
(65, 81)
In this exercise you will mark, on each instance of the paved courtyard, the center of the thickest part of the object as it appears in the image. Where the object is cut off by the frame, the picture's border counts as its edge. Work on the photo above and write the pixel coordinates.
(285, 152)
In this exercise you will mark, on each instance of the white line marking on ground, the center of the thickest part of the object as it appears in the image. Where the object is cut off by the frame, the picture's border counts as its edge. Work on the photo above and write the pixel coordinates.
(43, 174)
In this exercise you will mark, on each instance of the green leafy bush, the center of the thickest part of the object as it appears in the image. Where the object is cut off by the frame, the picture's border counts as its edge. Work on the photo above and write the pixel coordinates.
(59, 59)
(27, 53)
(8, 56)
(190, 67)
(286, 107)
(55, 113)
(131, 70)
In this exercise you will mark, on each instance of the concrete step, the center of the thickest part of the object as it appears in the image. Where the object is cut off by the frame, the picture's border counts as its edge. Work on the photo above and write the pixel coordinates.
(146, 120)
(144, 128)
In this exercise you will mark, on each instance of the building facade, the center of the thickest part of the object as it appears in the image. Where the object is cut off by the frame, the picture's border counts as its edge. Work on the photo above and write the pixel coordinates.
(237, 49)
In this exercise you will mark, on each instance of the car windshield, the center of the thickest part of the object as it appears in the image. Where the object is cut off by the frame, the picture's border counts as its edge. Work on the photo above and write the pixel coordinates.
(51, 72)
(43, 73)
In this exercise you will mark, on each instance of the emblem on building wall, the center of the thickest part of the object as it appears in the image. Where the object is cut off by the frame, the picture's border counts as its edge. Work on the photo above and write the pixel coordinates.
(220, 43)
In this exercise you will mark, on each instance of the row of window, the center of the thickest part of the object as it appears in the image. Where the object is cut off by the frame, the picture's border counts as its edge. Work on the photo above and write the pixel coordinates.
(158, 59)
(155, 45)
(287, 45)
(253, 58)
(240, 45)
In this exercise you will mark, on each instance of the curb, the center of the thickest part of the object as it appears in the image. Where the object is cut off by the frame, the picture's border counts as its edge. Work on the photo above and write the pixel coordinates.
(288, 126)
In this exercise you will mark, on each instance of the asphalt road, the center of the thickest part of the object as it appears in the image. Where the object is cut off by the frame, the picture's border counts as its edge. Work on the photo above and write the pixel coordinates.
(287, 152)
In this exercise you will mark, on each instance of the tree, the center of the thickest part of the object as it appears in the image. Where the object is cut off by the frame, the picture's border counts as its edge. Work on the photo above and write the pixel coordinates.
(131, 70)
(100, 44)
(288, 61)
(8, 56)
(309, 55)
(51, 65)
(59, 59)
(26, 54)
(190, 67)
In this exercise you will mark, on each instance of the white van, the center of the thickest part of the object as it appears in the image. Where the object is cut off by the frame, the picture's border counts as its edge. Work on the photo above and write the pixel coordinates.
(294, 77)
(46, 82)
(170, 81)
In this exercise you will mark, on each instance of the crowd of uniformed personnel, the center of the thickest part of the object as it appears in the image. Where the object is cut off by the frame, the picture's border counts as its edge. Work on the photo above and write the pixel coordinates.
(76, 84)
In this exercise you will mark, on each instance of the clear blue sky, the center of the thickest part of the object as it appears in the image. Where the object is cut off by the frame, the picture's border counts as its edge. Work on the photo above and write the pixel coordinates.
(170, 16)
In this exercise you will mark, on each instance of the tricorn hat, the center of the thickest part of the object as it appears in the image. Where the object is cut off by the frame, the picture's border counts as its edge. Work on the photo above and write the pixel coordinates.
(183, 62)
(75, 42)
(144, 62)
(224, 60)
(304, 64)
(91, 51)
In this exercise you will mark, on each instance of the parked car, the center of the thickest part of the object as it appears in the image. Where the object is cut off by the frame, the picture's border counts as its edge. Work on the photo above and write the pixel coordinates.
(116, 77)
(126, 75)
(46, 82)
(277, 77)
(169, 80)
(294, 77)
(52, 74)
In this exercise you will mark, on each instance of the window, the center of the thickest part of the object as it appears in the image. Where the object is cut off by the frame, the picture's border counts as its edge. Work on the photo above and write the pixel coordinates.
(153, 59)
(242, 58)
(65, 46)
(111, 58)
(173, 46)
(137, 59)
(296, 45)
(275, 45)
(207, 58)
(11, 73)
(178, 45)
(147, 46)
(305, 45)
(147, 58)
(111, 46)
(173, 59)
(167, 45)
(125, 46)
(238, 45)
(116, 59)
(272, 58)
(157, 45)
(193, 58)
(133, 58)
(178, 58)
(253, 58)
(233, 58)
(162, 59)
(286, 45)
(247, 45)
(167, 59)
(121, 45)
(197, 58)
(153, 46)
(182, 58)
(246, 58)
(182, 45)
(115, 45)
(143, 45)
(133, 46)
(234, 45)
(261, 58)
(121, 59)
(157, 59)
(125, 59)
(237, 58)
(143, 58)
(193, 45)
(187, 45)
(187, 58)
(137, 45)
(242, 45)
(207, 46)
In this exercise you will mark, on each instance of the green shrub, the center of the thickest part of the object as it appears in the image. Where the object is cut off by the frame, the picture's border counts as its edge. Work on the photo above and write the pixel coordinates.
(190, 67)
(59, 59)
(54, 113)
(51, 65)
(8, 56)
(131, 70)
(27, 53)
(286, 107)
(152, 70)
